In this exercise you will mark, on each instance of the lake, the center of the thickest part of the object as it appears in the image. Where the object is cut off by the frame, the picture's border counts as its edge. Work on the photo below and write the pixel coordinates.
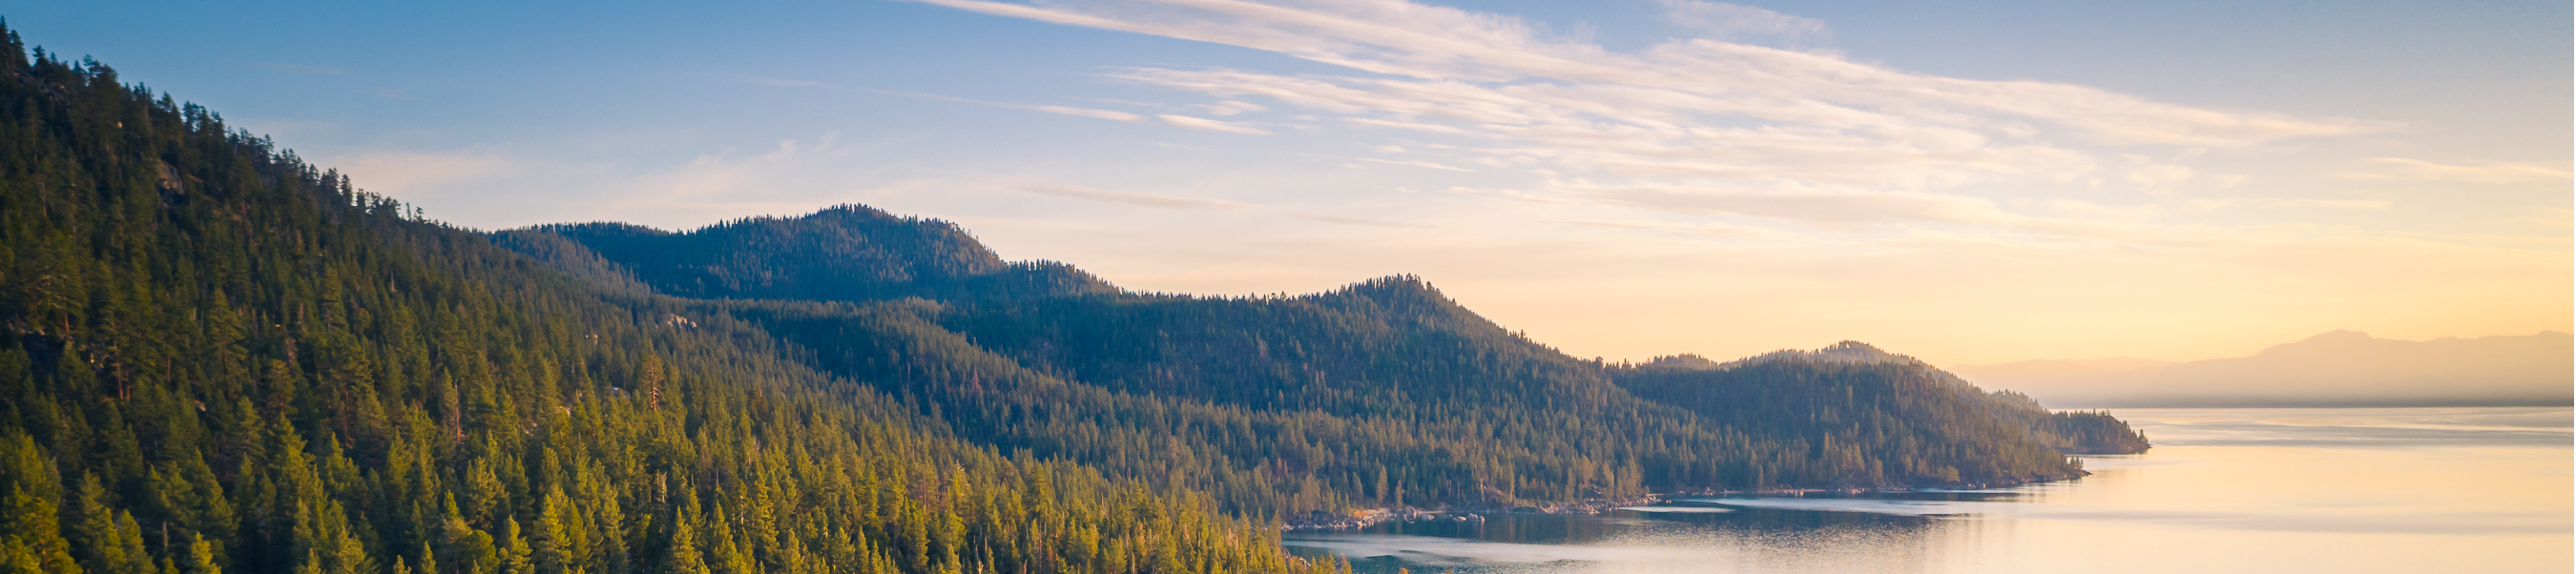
(2224, 491)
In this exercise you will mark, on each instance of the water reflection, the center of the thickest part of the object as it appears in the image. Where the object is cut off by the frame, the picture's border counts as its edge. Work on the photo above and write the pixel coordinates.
(2226, 490)
(1768, 539)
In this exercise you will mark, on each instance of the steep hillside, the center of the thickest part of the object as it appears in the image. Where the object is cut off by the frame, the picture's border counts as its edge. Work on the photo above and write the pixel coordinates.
(214, 357)
(1322, 446)
(847, 253)
(1879, 406)
(1385, 392)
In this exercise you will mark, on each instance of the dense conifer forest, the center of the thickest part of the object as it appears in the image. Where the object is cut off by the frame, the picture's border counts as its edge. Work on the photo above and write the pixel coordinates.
(220, 358)
(1382, 393)
(216, 357)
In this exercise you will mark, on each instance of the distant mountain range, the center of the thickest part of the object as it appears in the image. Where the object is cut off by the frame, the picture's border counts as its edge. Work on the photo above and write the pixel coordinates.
(2340, 368)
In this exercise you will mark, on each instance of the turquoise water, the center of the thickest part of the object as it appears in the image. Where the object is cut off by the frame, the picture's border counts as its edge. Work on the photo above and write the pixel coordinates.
(2224, 491)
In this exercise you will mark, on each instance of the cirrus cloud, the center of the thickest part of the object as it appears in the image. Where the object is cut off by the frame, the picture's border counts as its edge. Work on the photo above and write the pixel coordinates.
(1708, 126)
(2416, 169)
(1204, 124)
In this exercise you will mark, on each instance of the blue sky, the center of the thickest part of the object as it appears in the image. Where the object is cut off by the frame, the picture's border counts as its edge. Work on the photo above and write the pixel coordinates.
(1964, 181)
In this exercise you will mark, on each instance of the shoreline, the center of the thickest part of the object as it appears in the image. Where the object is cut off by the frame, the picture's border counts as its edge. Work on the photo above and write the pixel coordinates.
(1320, 521)
(1367, 517)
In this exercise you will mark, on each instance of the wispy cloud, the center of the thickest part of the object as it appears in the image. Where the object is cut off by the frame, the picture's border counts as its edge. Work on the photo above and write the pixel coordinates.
(1205, 124)
(1414, 163)
(1112, 115)
(1443, 44)
(2283, 202)
(1130, 197)
(2559, 217)
(2402, 168)
(1725, 21)
(724, 178)
(1232, 107)
(1433, 128)
(1687, 125)
(1505, 193)
(2156, 175)
(1720, 230)
(1361, 221)
(1826, 208)
(395, 172)
(1720, 128)
(1092, 113)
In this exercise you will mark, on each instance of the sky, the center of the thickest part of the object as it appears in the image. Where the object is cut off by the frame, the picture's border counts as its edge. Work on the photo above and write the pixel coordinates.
(1965, 182)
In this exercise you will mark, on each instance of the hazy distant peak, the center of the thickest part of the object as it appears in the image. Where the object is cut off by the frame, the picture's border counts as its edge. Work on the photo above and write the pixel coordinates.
(2338, 337)
(2341, 344)
(2341, 367)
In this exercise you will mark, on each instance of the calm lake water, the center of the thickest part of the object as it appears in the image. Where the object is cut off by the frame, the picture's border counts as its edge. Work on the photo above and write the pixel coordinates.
(2224, 491)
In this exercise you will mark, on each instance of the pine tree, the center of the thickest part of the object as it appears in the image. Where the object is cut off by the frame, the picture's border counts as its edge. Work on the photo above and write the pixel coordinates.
(104, 551)
(684, 557)
(730, 556)
(29, 527)
(201, 556)
(515, 553)
(135, 559)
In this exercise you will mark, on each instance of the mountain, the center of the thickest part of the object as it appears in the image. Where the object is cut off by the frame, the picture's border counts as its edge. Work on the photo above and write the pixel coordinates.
(1385, 392)
(215, 357)
(1888, 407)
(2339, 368)
(848, 253)
(205, 339)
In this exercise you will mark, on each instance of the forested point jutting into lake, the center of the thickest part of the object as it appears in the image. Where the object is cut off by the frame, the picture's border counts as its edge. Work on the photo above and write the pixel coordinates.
(218, 357)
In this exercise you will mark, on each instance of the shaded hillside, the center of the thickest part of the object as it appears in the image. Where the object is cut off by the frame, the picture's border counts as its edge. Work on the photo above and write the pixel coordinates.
(1384, 392)
(214, 357)
(1391, 345)
(1876, 406)
(2340, 368)
(1861, 420)
(1286, 450)
(847, 253)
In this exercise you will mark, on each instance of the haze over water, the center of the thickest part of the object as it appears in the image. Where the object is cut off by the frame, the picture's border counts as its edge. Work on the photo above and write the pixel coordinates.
(2225, 490)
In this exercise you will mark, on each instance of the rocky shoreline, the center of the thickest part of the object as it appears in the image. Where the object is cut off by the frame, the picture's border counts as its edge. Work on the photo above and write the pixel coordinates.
(1364, 518)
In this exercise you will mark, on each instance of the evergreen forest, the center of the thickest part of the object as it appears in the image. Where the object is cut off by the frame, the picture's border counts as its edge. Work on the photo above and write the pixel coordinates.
(216, 357)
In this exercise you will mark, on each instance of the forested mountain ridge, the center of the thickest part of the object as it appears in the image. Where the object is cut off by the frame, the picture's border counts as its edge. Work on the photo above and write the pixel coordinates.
(847, 253)
(215, 357)
(1385, 392)
(1891, 407)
